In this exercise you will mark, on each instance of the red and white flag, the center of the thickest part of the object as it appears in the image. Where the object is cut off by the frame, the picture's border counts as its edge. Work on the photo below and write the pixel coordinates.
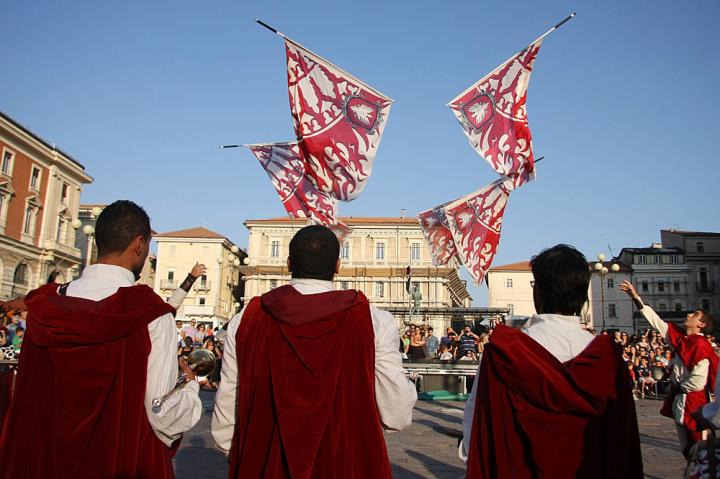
(493, 116)
(438, 237)
(475, 222)
(299, 194)
(338, 119)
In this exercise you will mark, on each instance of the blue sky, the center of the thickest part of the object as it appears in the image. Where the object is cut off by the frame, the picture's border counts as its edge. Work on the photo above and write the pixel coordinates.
(622, 103)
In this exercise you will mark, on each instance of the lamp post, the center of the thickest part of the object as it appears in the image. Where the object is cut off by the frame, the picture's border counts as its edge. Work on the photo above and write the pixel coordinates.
(89, 231)
(602, 270)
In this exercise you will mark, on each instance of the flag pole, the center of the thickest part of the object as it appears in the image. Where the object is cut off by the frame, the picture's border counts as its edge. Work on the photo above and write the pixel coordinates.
(350, 76)
(557, 25)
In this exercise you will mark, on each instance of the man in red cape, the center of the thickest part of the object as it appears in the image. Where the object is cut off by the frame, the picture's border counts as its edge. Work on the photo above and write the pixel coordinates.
(96, 353)
(310, 376)
(551, 400)
(693, 367)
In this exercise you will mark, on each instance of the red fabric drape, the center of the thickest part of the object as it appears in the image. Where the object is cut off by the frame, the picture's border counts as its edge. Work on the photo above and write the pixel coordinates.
(691, 350)
(537, 417)
(306, 392)
(78, 406)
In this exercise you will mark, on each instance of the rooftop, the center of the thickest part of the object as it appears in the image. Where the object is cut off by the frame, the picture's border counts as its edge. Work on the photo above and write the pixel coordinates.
(196, 232)
(691, 233)
(520, 266)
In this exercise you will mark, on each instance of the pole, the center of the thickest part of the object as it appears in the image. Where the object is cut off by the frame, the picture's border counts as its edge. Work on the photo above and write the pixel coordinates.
(88, 250)
(602, 298)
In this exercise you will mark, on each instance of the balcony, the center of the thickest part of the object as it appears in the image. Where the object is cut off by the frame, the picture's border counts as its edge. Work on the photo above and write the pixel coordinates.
(203, 286)
(705, 286)
(199, 310)
(168, 284)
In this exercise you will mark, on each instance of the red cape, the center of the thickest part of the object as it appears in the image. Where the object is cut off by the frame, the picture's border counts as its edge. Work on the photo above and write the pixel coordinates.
(306, 389)
(537, 417)
(78, 405)
(691, 349)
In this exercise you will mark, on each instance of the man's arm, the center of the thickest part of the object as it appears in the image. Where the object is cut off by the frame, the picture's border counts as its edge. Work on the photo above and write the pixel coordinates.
(181, 292)
(223, 420)
(182, 410)
(648, 313)
(395, 395)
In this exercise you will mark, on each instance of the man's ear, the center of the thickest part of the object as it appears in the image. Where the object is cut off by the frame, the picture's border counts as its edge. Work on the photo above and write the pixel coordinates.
(138, 245)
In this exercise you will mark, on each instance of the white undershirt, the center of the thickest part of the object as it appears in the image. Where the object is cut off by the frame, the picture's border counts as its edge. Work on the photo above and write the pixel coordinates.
(182, 410)
(395, 395)
(561, 336)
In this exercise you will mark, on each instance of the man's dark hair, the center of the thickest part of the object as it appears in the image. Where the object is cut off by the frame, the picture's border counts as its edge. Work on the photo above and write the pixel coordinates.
(562, 276)
(314, 251)
(708, 319)
(118, 224)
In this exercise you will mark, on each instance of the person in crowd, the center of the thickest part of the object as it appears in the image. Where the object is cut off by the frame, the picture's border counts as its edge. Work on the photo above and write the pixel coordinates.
(445, 340)
(18, 339)
(355, 382)
(431, 344)
(405, 344)
(417, 346)
(467, 342)
(644, 377)
(445, 354)
(694, 366)
(190, 330)
(98, 351)
(551, 400)
(186, 347)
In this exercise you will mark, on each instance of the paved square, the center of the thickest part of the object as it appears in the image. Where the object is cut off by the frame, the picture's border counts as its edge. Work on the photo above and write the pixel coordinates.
(428, 448)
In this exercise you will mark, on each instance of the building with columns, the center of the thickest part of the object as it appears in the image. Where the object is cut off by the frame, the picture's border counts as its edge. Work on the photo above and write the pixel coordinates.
(374, 259)
(40, 188)
(215, 297)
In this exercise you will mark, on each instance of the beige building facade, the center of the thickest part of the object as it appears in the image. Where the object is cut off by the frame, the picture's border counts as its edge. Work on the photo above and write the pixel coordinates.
(214, 298)
(374, 259)
(40, 188)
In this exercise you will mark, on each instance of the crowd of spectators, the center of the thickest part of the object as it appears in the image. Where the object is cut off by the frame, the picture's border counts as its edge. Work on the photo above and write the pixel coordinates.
(12, 330)
(194, 336)
(418, 342)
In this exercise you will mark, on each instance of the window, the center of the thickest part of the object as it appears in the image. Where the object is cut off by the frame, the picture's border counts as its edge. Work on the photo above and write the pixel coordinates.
(508, 283)
(273, 283)
(661, 286)
(29, 225)
(674, 259)
(379, 290)
(344, 285)
(20, 276)
(7, 162)
(662, 307)
(415, 251)
(60, 235)
(64, 194)
(345, 251)
(380, 251)
(511, 307)
(171, 275)
(706, 304)
(612, 310)
(644, 286)
(35, 179)
(676, 286)
(658, 259)
(4, 200)
(678, 306)
(203, 281)
(700, 247)
(642, 259)
(275, 249)
(201, 301)
(610, 283)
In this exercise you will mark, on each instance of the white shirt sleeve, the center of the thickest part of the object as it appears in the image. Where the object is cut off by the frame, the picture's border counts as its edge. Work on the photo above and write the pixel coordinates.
(182, 410)
(711, 411)
(655, 320)
(395, 395)
(468, 415)
(223, 420)
(696, 379)
(177, 298)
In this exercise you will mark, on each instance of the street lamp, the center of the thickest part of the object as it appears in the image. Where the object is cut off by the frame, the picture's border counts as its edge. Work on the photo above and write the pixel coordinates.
(90, 233)
(602, 270)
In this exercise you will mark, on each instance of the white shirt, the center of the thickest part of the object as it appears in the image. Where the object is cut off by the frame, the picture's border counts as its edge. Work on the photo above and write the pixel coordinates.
(182, 410)
(562, 336)
(395, 395)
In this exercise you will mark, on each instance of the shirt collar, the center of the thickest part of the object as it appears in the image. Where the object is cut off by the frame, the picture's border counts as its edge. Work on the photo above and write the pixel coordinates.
(319, 284)
(555, 319)
(110, 272)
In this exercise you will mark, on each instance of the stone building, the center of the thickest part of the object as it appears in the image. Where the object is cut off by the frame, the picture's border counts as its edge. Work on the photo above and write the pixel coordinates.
(40, 188)
(215, 297)
(374, 259)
